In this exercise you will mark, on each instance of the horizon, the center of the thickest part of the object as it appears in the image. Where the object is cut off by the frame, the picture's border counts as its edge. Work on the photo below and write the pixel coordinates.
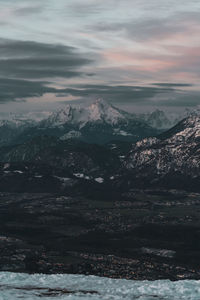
(38, 115)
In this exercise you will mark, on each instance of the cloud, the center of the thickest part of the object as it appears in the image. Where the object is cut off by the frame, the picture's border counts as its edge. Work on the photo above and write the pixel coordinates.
(175, 85)
(186, 99)
(33, 60)
(28, 10)
(87, 8)
(152, 27)
(144, 30)
(122, 42)
(164, 94)
(126, 94)
(15, 89)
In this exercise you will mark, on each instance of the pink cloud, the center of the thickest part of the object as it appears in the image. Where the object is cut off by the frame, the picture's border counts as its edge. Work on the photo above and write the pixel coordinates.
(137, 61)
(180, 64)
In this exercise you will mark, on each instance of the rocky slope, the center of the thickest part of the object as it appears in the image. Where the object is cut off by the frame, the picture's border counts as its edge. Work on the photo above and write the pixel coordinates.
(173, 157)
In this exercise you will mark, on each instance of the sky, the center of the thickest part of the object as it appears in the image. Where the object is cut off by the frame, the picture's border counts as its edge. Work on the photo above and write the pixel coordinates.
(137, 54)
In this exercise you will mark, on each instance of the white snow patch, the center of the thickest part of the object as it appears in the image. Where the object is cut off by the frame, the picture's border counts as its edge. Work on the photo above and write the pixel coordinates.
(19, 172)
(99, 180)
(79, 175)
(6, 166)
(70, 135)
(122, 132)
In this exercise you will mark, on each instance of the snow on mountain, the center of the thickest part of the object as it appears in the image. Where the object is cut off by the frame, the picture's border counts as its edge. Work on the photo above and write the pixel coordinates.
(16, 123)
(99, 111)
(102, 111)
(158, 119)
(70, 135)
(175, 152)
(99, 122)
(161, 120)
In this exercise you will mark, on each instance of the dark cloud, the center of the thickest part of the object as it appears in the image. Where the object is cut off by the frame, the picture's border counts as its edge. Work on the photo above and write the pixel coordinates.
(191, 99)
(27, 59)
(173, 84)
(126, 94)
(14, 89)
(165, 94)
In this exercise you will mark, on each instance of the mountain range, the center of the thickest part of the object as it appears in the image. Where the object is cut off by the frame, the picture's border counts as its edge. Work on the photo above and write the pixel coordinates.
(99, 123)
(99, 145)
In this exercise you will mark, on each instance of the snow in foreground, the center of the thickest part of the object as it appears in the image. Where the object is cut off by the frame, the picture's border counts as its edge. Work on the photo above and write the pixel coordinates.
(22, 286)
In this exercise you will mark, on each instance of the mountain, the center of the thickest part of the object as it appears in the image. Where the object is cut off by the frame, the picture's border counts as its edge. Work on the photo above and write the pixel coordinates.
(10, 130)
(99, 123)
(71, 155)
(160, 120)
(172, 159)
(50, 164)
(99, 111)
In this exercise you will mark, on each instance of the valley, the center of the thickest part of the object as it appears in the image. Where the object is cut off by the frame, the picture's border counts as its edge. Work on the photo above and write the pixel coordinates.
(150, 234)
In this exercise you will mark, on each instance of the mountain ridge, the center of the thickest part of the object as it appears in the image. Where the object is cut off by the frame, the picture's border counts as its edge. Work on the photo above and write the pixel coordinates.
(175, 155)
(98, 123)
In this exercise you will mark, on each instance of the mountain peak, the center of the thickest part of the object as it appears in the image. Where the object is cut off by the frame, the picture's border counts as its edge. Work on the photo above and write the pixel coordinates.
(100, 101)
(100, 104)
(100, 111)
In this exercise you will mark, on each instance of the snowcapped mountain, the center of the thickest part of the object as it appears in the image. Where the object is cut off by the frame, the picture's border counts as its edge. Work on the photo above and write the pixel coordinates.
(173, 157)
(99, 122)
(160, 120)
(170, 160)
(99, 111)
